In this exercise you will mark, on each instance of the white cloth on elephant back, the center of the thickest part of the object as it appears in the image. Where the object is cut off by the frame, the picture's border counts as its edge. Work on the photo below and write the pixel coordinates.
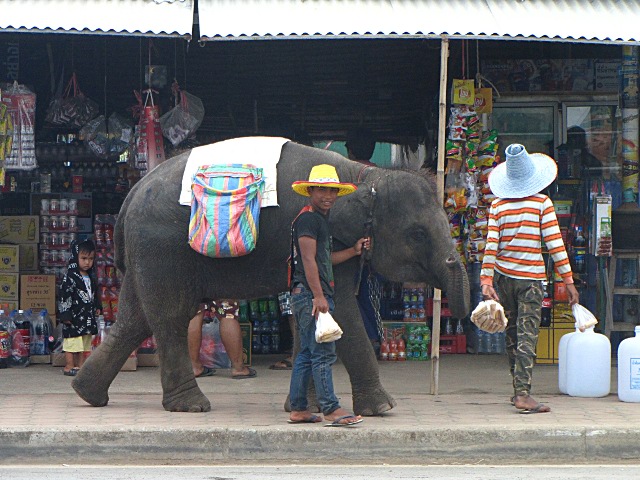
(263, 152)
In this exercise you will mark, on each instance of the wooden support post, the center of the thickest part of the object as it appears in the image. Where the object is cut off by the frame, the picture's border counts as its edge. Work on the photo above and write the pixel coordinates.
(437, 295)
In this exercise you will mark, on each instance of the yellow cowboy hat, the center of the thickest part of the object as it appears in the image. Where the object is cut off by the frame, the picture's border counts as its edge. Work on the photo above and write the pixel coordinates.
(323, 176)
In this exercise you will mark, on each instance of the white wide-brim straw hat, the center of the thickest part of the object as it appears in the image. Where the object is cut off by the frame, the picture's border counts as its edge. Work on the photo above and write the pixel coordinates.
(523, 174)
(323, 176)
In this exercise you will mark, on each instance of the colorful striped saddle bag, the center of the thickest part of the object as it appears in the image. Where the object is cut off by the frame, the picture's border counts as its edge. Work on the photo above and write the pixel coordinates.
(225, 209)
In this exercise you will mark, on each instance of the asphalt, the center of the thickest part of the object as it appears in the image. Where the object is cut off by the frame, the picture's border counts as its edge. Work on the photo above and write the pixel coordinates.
(471, 421)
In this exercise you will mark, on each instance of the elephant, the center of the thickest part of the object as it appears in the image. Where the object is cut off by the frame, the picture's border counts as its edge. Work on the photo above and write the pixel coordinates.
(164, 279)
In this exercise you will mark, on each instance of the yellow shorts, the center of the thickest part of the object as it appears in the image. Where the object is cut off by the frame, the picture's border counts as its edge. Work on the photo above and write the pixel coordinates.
(77, 344)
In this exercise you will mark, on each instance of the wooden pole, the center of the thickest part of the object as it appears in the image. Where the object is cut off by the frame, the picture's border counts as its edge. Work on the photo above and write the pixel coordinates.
(437, 294)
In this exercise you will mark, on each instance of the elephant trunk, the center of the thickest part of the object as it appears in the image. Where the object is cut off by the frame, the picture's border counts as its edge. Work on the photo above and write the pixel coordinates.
(457, 287)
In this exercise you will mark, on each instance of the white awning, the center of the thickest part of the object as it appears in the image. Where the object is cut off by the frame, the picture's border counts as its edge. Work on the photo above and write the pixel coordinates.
(117, 17)
(600, 21)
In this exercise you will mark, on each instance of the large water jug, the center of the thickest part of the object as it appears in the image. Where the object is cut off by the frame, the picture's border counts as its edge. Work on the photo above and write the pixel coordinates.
(629, 368)
(588, 364)
(562, 360)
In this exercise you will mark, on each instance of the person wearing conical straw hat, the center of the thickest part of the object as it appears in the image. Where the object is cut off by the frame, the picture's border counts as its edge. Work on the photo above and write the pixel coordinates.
(312, 292)
(513, 267)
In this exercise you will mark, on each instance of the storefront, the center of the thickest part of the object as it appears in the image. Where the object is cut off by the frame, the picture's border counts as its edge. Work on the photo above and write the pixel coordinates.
(326, 67)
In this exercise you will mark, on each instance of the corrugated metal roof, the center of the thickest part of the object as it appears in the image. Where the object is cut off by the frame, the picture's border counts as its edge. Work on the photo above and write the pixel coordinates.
(137, 17)
(574, 20)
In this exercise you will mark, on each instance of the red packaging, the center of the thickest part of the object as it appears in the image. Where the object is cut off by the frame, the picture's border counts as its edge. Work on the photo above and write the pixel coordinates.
(77, 181)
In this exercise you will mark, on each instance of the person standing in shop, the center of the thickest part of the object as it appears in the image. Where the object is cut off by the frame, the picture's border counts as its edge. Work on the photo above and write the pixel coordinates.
(312, 293)
(78, 305)
(360, 145)
(513, 267)
(230, 334)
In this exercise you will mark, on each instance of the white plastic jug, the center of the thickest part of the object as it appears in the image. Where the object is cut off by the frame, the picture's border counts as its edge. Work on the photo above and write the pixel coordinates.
(629, 369)
(562, 360)
(588, 364)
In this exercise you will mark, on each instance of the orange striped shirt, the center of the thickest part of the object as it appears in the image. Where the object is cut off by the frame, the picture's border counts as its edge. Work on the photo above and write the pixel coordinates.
(517, 228)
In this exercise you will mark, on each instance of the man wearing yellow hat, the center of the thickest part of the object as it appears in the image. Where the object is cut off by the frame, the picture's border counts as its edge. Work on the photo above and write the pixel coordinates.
(312, 293)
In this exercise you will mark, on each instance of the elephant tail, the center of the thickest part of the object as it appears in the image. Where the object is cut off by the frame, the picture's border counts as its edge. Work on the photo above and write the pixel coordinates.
(119, 236)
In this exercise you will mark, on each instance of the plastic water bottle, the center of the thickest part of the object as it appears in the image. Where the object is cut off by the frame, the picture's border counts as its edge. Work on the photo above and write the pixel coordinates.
(588, 364)
(485, 342)
(629, 368)
(562, 360)
(275, 335)
(265, 336)
(256, 342)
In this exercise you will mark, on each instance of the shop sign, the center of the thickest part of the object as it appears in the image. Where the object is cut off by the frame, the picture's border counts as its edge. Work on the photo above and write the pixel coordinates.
(484, 100)
(463, 92)
(607, 79)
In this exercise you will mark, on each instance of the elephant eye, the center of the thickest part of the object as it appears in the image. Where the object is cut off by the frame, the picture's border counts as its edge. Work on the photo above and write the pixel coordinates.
(417, 235)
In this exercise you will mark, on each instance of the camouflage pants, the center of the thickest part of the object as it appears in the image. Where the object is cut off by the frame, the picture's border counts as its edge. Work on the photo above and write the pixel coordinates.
(522, 302)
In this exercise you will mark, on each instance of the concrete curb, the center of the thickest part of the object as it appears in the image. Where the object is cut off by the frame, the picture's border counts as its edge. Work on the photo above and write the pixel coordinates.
(314, 444)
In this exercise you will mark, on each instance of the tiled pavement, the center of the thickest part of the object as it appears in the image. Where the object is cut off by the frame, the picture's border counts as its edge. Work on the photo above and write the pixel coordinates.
(470, 420)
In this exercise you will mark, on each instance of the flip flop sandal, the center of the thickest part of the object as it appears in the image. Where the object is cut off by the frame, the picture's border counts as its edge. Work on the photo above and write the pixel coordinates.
(206, 372)
(70, 373)
(311, 419)
(252, 373)
(284, 364)
(336, 422)
(540, 408)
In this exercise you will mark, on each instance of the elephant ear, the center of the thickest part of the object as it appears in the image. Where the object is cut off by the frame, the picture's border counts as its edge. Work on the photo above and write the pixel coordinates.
(348, 217)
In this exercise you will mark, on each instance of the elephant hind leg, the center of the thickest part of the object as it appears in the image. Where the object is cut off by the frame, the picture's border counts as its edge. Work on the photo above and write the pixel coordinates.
(96, 375)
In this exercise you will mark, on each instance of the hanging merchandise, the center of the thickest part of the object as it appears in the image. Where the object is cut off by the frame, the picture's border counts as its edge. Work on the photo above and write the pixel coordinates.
(71, 109)
(21, 106)
(183, 120)
(6, 137)
(149, 143)
(107, 138)
(463, 92)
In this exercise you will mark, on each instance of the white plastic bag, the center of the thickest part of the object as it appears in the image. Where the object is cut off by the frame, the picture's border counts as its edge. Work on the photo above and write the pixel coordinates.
(489, 316)
(327, 330)
(584, 318)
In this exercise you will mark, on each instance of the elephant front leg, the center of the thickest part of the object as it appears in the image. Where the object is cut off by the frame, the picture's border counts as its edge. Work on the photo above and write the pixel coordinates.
(94, 378)
(181, 392)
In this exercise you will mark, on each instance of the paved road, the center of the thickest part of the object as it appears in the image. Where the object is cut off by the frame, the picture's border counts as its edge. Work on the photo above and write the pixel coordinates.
(312, 472)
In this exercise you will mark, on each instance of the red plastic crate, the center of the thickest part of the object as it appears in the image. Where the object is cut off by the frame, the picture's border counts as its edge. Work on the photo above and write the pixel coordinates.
(444, 307)
(452, 344)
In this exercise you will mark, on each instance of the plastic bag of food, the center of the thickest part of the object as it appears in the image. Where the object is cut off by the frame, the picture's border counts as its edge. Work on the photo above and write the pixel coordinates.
(584, 318)
(489, 316)
(327, 330)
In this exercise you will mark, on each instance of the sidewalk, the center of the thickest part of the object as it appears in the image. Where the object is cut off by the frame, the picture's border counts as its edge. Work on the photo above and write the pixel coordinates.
(470, 421)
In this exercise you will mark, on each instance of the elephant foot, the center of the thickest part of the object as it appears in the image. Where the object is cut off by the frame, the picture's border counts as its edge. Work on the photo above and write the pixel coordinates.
(372, 404)
(188, 401)
(89, 391)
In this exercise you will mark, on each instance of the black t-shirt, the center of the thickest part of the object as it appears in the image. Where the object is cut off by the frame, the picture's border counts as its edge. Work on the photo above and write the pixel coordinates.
(316, 226)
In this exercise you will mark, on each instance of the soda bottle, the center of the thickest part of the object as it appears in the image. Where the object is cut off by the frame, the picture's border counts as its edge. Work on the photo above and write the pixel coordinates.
(20, 341)
(393, 350)
(5, 340)
(547, 303)
(402, 350)
(384, 350)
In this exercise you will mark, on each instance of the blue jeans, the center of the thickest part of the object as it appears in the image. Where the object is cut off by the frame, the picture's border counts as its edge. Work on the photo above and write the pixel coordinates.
(313, 359)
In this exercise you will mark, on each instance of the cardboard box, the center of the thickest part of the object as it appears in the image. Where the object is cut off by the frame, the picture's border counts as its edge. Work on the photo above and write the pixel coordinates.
(20, 229)
(9, 258)
(58, 360)
(8, 305)
(9, 286)
(148, 360)
(29, 257)
(131, 365)
(40, 359)
(38, 292)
